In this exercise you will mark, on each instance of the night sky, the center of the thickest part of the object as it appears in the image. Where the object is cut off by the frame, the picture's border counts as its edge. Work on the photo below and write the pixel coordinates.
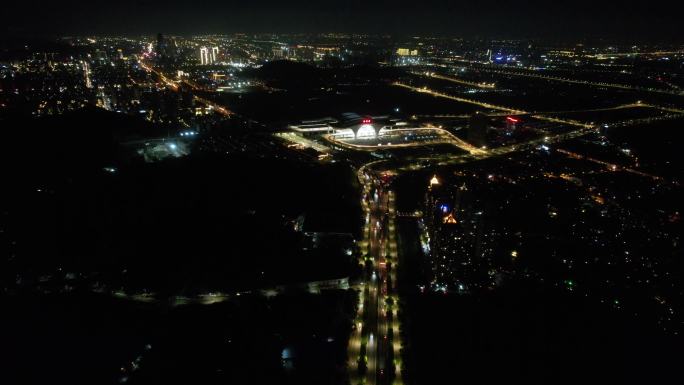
(656, 19)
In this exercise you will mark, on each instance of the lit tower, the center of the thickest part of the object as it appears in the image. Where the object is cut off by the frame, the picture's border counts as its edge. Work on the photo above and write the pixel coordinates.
(511, 124)
(477, 129)
(161, 45)
(434, 181)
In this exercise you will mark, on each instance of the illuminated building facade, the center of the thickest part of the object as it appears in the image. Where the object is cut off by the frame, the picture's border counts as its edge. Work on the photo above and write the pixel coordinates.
(349, 125)
(208, 55)
(407, 52)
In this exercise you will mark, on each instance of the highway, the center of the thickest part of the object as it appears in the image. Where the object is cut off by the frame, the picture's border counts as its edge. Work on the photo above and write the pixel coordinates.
(674, 112)
(459, 99)
(615, 108)
(535, 75)
(168, 82)
(173, 85)
(483, 85)
(376, 316)
(211, 298)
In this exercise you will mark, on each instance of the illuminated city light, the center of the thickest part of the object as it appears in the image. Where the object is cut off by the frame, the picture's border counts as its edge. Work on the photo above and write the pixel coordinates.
(450, 219)
(366, 131)
(545, 189)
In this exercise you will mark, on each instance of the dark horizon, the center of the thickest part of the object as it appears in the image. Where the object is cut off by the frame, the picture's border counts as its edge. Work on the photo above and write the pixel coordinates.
(583, 19)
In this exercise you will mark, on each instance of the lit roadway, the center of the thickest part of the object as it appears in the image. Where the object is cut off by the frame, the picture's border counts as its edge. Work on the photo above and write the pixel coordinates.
(372, 323)
(456, 80)
(518, 72)
(615, 108)
(445, 137)
(175, 87)
(379, 246)
(379, 243)
(459, 99)
(674, 112)
(372, 326)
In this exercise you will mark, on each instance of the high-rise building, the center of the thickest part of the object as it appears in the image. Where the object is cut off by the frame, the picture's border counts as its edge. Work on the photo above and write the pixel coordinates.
(166, 49)
(204, 56)
(208, 55)
(161, 45)
(477, 130)
(278, 53)
(511, 125)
